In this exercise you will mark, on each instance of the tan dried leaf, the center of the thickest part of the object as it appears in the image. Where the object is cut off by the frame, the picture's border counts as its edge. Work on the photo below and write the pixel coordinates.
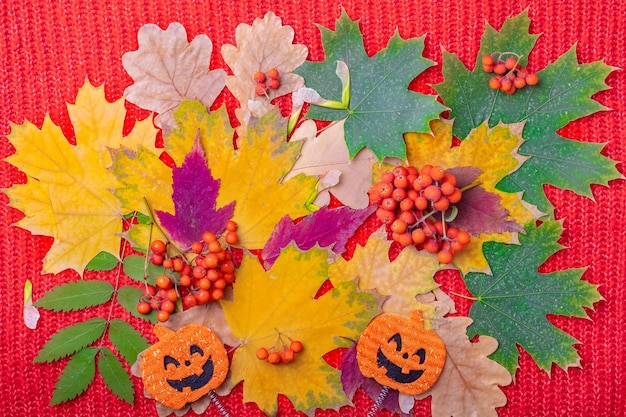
(325, 156)
(265, 45)
(167, 69)
(470, 381)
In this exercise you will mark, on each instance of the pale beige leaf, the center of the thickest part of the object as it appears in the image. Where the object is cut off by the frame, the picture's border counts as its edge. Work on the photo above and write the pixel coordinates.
(327, 153)
(167, 69)
(470, 382)
(265, 45)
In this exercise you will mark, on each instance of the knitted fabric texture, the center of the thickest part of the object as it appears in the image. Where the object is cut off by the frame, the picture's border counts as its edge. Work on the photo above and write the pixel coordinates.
(49, 48)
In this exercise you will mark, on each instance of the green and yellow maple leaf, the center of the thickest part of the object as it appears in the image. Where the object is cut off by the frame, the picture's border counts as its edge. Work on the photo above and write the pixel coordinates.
(494, 152)
(68, 193)
(251, 175)
(411, 273)
(272, 306)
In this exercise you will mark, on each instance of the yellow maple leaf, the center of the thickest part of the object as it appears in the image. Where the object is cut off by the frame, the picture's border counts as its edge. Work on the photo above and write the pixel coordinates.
(271, 307)
(143, 176)
(68, 193)
(494, 152)
(251, 175)
(411, 273)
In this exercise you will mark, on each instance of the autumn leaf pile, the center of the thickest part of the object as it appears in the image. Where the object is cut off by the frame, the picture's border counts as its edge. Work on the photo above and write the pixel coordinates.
(296, 183)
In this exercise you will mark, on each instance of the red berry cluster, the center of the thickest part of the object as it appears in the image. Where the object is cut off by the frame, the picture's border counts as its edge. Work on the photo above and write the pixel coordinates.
(197, 281)
(286, 355)
(264, 82)
(509, 77)
(413, 204)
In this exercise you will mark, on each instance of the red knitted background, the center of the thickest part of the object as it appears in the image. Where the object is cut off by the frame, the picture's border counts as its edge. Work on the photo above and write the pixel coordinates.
(48, 48)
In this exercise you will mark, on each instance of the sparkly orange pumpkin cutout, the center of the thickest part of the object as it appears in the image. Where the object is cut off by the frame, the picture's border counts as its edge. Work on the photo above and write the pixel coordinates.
(184, 365)
(400, 354)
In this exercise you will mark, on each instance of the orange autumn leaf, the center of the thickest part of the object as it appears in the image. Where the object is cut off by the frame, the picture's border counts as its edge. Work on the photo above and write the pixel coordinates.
(68, 194)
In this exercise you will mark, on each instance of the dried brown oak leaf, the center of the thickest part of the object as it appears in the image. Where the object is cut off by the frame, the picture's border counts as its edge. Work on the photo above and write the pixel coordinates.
(265, 45)
(470, 381)
(167, 69)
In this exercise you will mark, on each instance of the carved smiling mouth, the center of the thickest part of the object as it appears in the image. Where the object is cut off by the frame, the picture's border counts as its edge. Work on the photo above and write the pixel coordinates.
(194, 381)
(395, 372)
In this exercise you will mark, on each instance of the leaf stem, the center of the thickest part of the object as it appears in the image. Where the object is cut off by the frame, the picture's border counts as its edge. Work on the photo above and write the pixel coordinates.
(464, 296)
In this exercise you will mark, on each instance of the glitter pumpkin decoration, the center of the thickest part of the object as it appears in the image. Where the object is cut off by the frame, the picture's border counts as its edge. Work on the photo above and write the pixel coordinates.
(184, 365)
(400, 354)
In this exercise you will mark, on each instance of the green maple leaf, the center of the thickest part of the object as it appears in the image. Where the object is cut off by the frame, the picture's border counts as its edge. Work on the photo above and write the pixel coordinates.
(562, 95)
(511, 305)
(380, 107)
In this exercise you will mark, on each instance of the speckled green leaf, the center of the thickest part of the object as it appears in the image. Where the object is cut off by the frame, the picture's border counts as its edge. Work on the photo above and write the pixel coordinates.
(381, 107)
(512, 304)
(76, 376)
(71, 339)
(115, 376)
(76, 295)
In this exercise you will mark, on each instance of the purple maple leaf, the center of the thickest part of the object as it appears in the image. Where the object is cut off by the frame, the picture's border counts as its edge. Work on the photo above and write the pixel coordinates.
(352, 379)
(479, 210)
(194, 195)
(325, 227)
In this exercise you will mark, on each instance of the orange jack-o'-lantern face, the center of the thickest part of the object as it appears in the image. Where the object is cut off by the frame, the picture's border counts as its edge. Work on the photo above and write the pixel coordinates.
(399, 353)
(184, 365)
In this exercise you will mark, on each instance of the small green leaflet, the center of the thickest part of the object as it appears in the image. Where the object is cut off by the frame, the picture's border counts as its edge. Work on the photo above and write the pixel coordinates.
(76, 295)
(103, 261)
(134, 268)
(76, 376)
(511, 305)
(563, 94)
(114, 376)
(381, 108)
(128, 297)
(71, 339)
(128, 341)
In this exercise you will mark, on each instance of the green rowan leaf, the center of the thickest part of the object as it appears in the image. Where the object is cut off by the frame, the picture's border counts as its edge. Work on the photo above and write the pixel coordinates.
(128, 297)
(76, 376)
(512, 304)
(564, 94)
(76, 295)
(128, 341)
(103, 261)
(135, 266)
(71, 339)
(381, 108)
(115, 376)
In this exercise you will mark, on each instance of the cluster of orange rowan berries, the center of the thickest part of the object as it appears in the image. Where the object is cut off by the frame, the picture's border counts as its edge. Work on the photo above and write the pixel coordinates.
(266, 82)
(196, 277)
(509, 77)
(286, 355)
(413, 203)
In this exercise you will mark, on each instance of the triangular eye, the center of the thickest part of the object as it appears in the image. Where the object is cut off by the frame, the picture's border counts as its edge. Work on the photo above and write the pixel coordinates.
(169, 360)
(195, 349)
(398, 339)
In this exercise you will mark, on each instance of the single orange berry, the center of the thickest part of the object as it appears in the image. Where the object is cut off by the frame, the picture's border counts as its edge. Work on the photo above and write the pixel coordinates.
(178, 264)
(273, 73)
(418, 236)
(532, 79)
(444, 257)
(163, 316)
(273, 358)
(437, 173)
(296, 346)
(185, 280)
(168, 306)
(144, 307)
(287, 356)
(259, 77)
(519, 82)
(231, 238)
(231, 226)
(260, 89)
(158, 246)
(442, 204)
(273, 83)
(463, 237)
(495, 83)
(167, 263)
(510, 63)
(262, 353)
(404, 239)
(189, 301)
(215, 246)
(164, 282)
(499, 68)
(398, 226)
(203, 283)
(208, 237)
(217, 294)
(488, 59)
(202, 296)
(196, 247)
